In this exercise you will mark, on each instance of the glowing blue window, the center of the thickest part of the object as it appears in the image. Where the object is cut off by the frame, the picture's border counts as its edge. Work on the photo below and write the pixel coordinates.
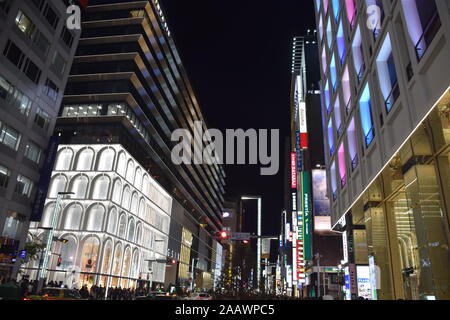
(365, 112)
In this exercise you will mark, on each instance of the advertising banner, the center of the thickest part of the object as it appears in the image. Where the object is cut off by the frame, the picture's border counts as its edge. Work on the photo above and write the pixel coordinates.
(293, 170)
(306, 206)
(303, 125)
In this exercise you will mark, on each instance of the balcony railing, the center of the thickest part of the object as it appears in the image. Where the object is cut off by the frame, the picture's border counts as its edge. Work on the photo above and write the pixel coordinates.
(361, 72)
(348, 107)
(343, 181)
(409, 71)
(355, 162)
(393, 96)
(370, 136)
(340, 130)
(428, 35)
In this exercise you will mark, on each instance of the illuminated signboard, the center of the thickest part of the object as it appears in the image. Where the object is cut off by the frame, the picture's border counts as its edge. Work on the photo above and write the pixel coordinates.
(294, 170)
(306, 206)
(303, 125)
(345, 247)
(294, 201)
(299, 151)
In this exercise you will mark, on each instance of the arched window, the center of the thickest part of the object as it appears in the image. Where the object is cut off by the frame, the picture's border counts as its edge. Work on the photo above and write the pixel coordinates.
(95, 218)
(79, 186)
(130, 171)
(122, 226)
(122, 164)
(58, 184)
(91, 247)
(126, 198)
(126, 266)
(100, 188)
(107, 259)
(138, 233)
(135, 266)
(117, 191)
(134, 204)
(145, 185)
(131, 230)
(117, 264)
(68, 253)
(64, 159)
(106, 160)
(72, 217)
(112, 221)
(138, 179)
(84, 160)
(46, 220)
(141, 213)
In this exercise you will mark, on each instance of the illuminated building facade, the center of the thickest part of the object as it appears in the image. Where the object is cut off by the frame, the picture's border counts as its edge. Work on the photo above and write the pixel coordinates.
(129, 90)
(385, 103)
(36, 52)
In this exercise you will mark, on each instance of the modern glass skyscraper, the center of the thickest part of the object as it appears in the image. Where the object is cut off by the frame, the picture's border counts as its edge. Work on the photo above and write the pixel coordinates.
(385, 102)
(36, 54)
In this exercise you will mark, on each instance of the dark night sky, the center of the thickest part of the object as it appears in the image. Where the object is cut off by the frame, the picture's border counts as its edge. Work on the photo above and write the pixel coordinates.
(238, 57)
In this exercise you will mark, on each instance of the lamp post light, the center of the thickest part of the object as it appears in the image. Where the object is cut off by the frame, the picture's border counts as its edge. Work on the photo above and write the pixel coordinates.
(259, 243)
(42, 272)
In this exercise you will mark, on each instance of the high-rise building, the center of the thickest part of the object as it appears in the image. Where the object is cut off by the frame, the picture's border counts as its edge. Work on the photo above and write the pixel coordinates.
(36, 54)
(133, 208)
(385, 103)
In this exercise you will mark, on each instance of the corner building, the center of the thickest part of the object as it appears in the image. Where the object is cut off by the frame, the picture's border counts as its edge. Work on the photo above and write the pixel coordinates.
(127, 92)
(36, 52)
(385, 104)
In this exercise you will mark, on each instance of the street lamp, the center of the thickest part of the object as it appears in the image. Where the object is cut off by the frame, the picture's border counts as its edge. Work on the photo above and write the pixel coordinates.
(259, 243)
(44, 259)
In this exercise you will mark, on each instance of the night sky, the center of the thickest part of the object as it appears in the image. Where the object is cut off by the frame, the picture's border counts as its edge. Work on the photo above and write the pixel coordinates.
(238, 57)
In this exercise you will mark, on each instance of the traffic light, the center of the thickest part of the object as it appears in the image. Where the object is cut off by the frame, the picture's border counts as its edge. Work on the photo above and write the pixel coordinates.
(63, 240)
(58, 264)
(171, 261)
(245, 242)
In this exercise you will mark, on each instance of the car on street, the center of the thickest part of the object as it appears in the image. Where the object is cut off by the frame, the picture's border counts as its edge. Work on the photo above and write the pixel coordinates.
(56, 294)
(199, 296)
(158, 296)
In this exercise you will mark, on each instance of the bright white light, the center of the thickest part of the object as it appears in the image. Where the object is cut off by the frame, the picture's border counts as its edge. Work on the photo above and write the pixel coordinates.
(225, 214)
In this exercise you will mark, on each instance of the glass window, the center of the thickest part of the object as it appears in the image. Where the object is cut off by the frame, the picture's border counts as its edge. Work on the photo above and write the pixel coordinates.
(64, 160)
(117, 191)
(358, 57)
(42, 119)
(50, 15)
(112, 221)
(9, 136)
(130, 171)
(6, 88)
(24, 24)
(365, 113)
(117, 264)
(58, 184)
(106, 160)
(58, 64)
(32, 71)
(85, 158)
(126, 198)
(131, 231)
(122, 226)
(95, 218)
(24, 186)
(89, 256)
(73, 216)
(21, 101)
(101, 188)
(67, 37)
(51, 90)
(79, 187)
(5, 173)
(13, 226)
(42, 43)
(14, 54)
(122, 164)
(68, 253)
(33, 152)
(46, 221)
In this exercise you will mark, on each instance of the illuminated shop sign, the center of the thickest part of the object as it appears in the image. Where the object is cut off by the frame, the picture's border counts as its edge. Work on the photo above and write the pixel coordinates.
(299, 151)
(303, 125)
(345, 246)
(293, 170)
(294, 201)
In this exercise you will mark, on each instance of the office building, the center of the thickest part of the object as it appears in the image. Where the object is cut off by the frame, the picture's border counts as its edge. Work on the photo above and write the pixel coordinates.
(36, 54)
